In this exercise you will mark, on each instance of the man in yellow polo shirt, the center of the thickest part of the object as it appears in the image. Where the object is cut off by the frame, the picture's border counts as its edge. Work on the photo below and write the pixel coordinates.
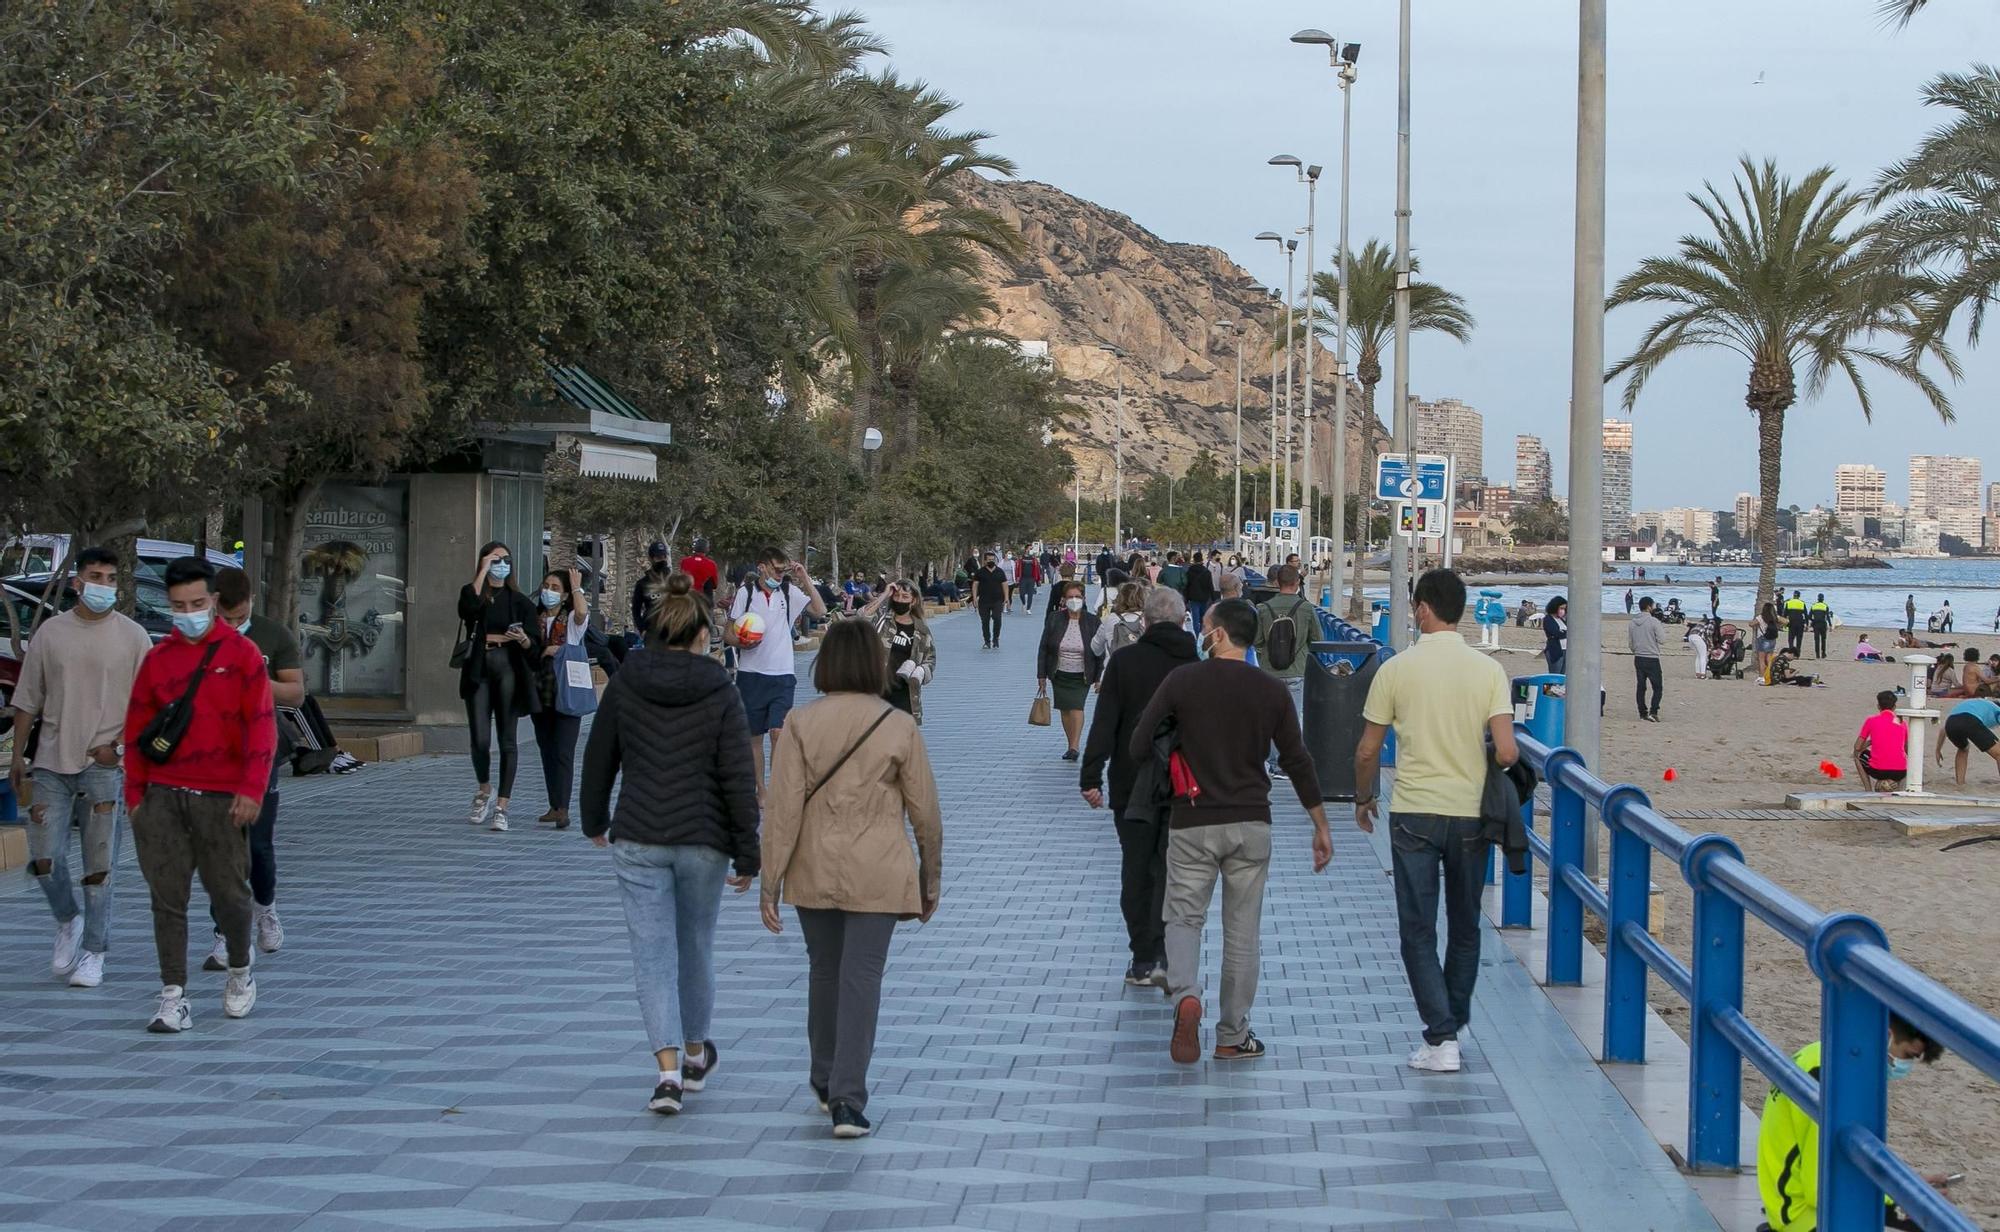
(1444, 699)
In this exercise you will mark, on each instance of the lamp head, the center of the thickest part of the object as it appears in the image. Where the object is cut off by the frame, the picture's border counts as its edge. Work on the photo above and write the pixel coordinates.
(1284, 160)
(871, 440)
(1291, 245)
(1270, 235)
(1320, 37)
(1351, 53)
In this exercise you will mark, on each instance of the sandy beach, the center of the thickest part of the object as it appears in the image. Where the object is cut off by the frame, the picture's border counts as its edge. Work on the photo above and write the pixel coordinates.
(1735, 744)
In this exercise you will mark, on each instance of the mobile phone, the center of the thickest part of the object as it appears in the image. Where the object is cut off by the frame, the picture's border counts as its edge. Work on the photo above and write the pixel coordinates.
(516, 628)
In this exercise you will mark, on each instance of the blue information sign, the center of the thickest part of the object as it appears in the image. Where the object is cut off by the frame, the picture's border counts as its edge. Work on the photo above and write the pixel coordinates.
(1393, 481)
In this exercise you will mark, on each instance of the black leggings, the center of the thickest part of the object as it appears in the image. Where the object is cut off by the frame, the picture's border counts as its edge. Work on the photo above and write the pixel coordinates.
(493, 705)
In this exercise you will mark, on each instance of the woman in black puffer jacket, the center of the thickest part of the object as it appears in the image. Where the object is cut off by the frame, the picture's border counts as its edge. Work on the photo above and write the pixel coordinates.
(672, 722)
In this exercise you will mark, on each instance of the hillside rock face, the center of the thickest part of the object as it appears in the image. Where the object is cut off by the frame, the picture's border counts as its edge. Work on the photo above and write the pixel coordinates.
(1092, 277)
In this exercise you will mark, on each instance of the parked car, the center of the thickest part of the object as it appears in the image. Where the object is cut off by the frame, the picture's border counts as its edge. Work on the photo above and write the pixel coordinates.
(10, 675)
(25, 591)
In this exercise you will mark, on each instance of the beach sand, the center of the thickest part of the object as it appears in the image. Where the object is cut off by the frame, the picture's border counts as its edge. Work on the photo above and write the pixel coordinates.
(1735, 744)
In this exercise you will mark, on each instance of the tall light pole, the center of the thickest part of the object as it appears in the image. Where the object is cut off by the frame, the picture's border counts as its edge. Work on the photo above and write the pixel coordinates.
(1236, 506)
(1270, 512)
(1309, 176)
(1343, 59)
(1585, 667)
(1117, 456)
(1399, 544)
(1291, 248)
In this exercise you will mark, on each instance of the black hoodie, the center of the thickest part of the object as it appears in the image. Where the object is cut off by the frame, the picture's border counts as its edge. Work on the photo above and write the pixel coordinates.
(673, 724)
(1131, 677)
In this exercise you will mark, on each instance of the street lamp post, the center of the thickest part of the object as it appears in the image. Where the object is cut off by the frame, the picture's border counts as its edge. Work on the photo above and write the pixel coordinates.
(1291, 248)
(1585, 667)
(1309, 176)
(1399, 544)
(1236, 506)
(1117, 456)
(1343, 59)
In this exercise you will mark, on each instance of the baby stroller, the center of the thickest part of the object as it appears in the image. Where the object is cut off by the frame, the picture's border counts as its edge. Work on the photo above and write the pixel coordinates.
(1672, 613)
(1725, 654)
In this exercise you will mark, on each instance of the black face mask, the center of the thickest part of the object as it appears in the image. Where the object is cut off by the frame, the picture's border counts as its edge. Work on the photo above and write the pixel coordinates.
(899, 606)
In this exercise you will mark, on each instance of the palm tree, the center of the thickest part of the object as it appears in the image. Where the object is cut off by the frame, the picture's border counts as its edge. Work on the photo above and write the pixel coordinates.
(1784, 281)
(1944, 202)
(1371, 311)
(920, 306)
(1899, 12)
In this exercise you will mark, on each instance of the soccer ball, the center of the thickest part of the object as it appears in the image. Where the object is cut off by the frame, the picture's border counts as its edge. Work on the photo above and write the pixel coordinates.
(749, 629)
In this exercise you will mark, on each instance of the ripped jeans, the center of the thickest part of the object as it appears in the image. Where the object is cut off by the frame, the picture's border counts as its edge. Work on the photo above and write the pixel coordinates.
(89, 800)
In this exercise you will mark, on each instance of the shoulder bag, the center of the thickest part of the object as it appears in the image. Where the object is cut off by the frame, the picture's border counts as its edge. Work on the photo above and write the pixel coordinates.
(164, 733)
(842, 759)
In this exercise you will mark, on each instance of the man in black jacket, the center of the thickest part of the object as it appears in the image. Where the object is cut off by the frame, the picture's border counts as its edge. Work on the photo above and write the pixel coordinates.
(1131, 677)
(1199, 588)
(989, 588)
(655, 575)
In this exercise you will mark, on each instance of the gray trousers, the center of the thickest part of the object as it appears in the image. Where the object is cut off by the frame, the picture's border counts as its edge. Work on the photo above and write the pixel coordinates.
(848, 950)
(178, 834)
(1240, 854)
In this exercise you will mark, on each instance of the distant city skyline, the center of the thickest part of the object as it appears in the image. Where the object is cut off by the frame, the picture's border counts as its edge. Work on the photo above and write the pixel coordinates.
(1167, 111)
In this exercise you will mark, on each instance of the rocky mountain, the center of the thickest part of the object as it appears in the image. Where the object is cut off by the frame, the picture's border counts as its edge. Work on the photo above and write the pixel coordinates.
(1092, 277)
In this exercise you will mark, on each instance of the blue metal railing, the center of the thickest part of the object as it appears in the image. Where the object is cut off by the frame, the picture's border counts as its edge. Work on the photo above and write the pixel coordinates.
(1861, 983)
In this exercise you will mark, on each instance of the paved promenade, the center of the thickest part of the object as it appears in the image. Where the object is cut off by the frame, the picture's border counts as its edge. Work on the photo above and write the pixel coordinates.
(449, 1040)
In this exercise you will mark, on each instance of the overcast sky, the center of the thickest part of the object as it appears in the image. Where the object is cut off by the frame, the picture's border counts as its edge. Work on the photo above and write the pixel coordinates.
(1167, 109)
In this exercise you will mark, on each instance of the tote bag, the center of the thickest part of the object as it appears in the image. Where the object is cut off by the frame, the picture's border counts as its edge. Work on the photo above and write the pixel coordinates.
(576, 692)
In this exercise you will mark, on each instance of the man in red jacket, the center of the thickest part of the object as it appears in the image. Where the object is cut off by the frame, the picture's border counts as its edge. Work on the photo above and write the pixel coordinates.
(190, 800)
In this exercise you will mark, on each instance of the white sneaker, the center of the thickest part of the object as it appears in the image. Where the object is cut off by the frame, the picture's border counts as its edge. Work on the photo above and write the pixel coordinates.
(499, 820)
(479, 806)
(69, 941)
(174, 1015)
(89, 971)
(240, 993)
(1438, 1058)
(218, 958)
(270, 933)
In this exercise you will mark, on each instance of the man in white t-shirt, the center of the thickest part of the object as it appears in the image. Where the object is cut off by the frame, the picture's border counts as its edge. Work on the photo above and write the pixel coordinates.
(780, 594)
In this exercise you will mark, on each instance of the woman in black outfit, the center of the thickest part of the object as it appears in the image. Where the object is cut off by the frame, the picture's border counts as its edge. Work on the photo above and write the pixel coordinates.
(498, 679)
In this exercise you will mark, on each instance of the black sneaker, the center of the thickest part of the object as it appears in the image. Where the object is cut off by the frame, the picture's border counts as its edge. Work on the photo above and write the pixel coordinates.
(693, 1075)
(666, 1099)
(848, 1121)
(1139, 973)
(1069, 755)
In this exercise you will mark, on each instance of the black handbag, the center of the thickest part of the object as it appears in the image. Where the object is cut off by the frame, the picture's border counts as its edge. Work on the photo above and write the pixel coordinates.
(461, 653)
(163, 734)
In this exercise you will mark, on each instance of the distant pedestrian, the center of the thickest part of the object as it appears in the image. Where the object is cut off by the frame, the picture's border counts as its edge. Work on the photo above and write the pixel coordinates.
(1123, 623)
(1555, 635)
(1697, 639)
(192, 795)
(701, 570)
(780, 594)
(989, 589)
(850, 770)
(1945, 617)
(497, 677)
(1764, 644)
(1287, 626)
(1643, 636)
(1969, 726)
(1715, 598)
(1174, 574)
(1130, 680)
(1066, 661)
(646, 590)
(1027, 576)
(1820, 617)
(1228, 715)
(1628, 600)
(1910, 615)
(560, 625)
(1795, 623)
(1444, 700)
(1199, 588)
(672, 733)
(76, 679)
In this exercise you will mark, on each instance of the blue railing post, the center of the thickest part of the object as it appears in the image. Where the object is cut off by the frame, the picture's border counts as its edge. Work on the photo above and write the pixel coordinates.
(1715, 1066)
(1566, 822)
(1853, 1075)
(1624, 969)
(1517, 890)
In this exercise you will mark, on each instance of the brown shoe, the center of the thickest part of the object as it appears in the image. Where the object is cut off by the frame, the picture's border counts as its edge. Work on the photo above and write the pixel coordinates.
(1250, 1049)
(1185, 1047)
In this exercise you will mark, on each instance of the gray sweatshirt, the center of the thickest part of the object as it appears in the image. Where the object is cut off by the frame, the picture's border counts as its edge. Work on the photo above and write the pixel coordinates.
(1644, 634)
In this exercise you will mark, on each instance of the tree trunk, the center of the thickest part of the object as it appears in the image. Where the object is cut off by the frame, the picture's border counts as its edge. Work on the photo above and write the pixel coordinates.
(288, 534)
(903, 384)
(212, 533)
(559, 467)
(868, 363)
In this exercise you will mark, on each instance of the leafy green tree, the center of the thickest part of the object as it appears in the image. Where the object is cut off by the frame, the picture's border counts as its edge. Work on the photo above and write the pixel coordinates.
(1539, 522)
(1943, 214)
(1785, 281)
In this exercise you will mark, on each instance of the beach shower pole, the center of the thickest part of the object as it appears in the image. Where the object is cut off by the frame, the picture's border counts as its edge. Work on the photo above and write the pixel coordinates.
(1582, 722)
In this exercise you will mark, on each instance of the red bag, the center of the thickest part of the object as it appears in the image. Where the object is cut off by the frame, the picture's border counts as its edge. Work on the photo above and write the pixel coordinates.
(1182, 776)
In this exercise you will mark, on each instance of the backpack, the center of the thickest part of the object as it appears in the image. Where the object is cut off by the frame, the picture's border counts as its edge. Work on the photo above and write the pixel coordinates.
(1281, 644)
(1123, 634)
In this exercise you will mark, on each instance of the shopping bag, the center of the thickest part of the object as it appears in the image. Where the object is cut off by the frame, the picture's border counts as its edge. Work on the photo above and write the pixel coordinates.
(576, 691)
(1040, 713)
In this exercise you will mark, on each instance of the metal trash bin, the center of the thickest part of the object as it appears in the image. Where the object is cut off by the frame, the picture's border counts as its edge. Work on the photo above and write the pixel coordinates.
(1336, 685)
(1539, 704)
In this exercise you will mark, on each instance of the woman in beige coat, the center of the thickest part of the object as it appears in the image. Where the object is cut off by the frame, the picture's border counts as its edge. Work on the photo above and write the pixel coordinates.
(848, 769)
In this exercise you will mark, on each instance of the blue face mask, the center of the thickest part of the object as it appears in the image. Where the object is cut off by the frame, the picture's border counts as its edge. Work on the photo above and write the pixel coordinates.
(1901, 1067)
(551, 597)
(500, 571)
(194, 625)
(771, 583)
(99, 597)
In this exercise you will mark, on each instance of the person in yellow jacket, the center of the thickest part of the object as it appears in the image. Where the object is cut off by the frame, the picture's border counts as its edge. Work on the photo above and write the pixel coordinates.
(1795, 622)
(1788, 1139)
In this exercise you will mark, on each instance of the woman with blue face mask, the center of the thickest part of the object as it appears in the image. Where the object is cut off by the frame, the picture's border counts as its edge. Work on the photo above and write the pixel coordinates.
(561, 623)
(497, 679)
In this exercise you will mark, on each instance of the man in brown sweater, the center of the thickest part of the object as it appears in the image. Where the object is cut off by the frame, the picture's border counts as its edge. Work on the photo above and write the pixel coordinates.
(1228, 714)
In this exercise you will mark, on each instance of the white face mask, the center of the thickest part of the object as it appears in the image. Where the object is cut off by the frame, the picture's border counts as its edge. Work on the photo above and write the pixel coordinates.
(98, 597)
(1074, 605)
(551, 597)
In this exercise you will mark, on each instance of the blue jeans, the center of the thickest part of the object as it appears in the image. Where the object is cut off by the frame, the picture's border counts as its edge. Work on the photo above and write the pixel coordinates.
(1425, 845)
(49, 820)
(672, 896)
